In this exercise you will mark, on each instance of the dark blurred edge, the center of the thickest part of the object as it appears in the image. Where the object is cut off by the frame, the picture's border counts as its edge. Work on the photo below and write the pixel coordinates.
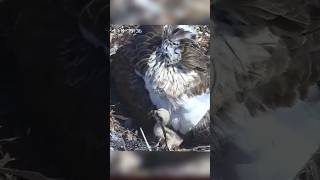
(157, 178)
(32, 91)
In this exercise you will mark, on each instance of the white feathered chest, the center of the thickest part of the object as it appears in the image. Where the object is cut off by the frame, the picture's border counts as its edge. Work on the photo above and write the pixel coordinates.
(167, 87)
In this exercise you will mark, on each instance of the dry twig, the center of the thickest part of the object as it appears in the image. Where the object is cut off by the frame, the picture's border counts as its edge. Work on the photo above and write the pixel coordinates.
(145, 139)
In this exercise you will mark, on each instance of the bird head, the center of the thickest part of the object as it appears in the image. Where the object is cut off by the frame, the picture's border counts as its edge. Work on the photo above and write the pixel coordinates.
(171, 50)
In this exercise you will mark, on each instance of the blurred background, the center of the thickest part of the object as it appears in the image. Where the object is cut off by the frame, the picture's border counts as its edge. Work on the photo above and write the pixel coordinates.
(127, 164)
(158, 12)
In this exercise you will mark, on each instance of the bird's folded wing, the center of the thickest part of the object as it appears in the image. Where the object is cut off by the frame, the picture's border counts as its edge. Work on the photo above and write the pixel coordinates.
(128, 65)
(130, 88)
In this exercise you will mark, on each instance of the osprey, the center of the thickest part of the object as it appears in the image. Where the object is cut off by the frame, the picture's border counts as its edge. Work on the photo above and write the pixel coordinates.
(164, 68)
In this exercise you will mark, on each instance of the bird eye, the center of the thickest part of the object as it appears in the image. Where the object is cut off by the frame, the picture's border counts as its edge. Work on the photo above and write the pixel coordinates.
(177, 51)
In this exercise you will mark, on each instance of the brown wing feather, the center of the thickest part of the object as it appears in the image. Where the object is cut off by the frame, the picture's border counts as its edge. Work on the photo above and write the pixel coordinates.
(129, 85)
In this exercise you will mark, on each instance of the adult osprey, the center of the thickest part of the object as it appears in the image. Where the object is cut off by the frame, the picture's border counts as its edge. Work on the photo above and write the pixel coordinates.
(164, 68)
